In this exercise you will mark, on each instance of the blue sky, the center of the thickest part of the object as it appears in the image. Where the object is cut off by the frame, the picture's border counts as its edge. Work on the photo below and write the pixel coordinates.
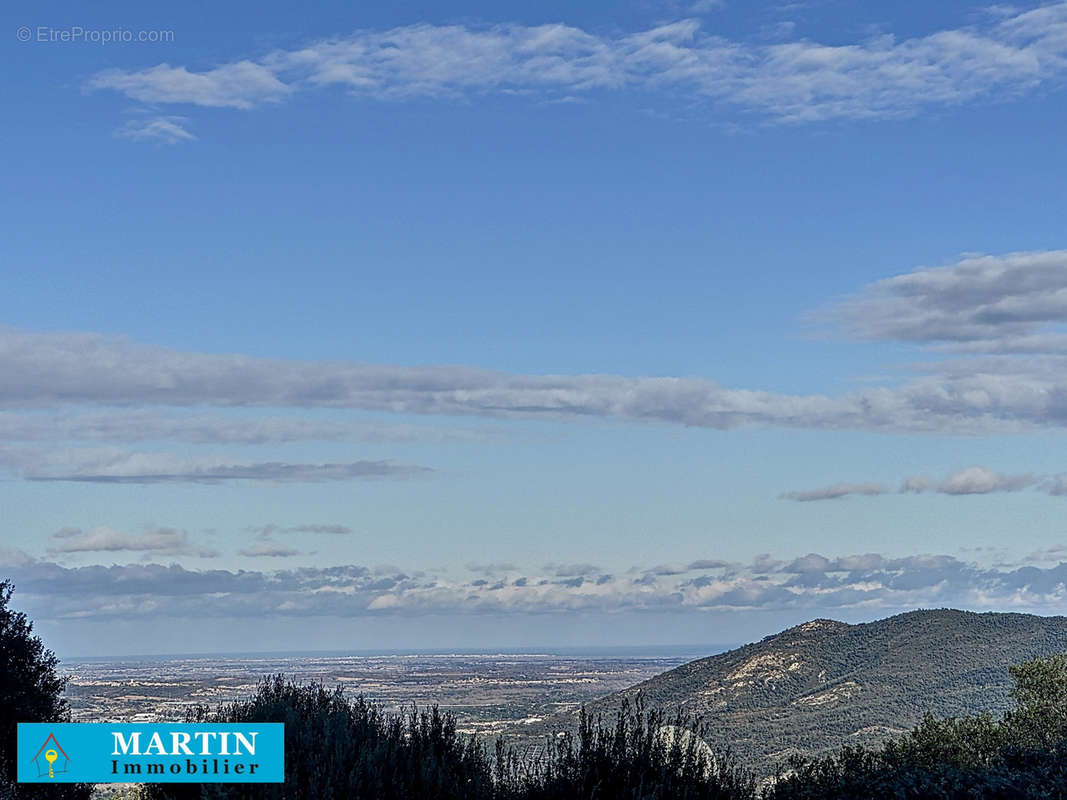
(509, 324)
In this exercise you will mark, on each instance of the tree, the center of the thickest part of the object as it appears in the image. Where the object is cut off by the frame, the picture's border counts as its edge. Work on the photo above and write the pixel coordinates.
(30, 691)
(1040, 694)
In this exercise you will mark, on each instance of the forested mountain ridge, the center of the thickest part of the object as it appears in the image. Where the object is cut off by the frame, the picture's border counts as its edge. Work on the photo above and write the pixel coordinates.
(824, 684)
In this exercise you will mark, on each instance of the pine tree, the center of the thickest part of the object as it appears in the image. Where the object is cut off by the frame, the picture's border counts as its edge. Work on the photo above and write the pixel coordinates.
(30, 691)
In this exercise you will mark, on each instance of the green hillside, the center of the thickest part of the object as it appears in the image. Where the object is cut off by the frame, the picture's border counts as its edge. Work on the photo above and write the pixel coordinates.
(824, 684)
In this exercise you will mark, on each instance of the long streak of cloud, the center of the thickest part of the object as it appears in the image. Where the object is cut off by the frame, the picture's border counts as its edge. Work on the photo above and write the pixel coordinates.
(1003, 307)
(156, 542)
(966, 481)
(117, 466)
(48, 370)
(793, 81)
(834, 492)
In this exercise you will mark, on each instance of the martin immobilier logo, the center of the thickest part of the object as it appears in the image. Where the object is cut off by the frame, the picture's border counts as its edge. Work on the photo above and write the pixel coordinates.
(50, 758)
(165, 752)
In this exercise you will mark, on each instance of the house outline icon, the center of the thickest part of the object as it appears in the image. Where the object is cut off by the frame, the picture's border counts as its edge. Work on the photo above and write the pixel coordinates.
(43, 765)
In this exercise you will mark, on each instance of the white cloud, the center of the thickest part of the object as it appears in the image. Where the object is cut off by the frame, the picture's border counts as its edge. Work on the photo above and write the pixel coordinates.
(979, 480)
(269, 550)
(241, 84)
(337, 530)
(794, 81)
(706, 6)
(834, 492)
(1012, 303)
(571, 570)
(163, 130)
(969, 480)
(916, 484)
(266, 533)
(1056, 485)
(160, 541)
(115, 465)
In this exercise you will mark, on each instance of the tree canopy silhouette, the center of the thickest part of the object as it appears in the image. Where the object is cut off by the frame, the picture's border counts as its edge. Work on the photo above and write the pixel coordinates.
(30, 691)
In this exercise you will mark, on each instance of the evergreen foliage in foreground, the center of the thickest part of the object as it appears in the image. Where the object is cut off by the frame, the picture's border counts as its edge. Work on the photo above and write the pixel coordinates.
(30, 691)
(336, 747)
(631, 760)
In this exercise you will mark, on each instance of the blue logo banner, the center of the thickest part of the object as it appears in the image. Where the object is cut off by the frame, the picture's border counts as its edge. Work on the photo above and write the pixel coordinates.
(101, 752)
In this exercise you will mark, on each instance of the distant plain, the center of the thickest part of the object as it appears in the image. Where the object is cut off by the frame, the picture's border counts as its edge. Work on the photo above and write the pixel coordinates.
(487, 691)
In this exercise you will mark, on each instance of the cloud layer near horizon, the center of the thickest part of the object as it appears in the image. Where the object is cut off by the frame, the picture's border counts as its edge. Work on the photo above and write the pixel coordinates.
(870, 581)
(791, 81)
